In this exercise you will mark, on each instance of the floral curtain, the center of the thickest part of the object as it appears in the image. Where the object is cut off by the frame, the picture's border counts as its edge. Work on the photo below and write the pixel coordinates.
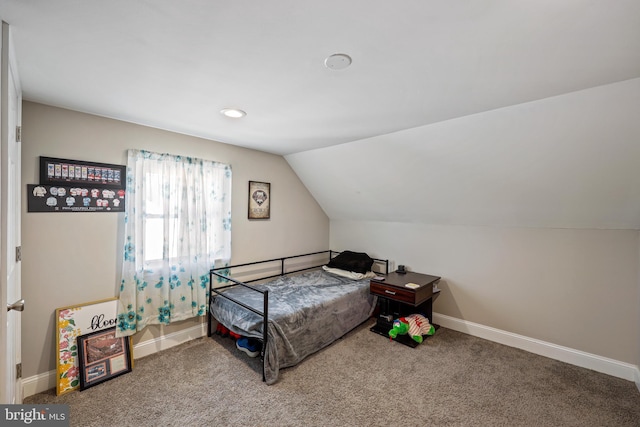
(177, 226)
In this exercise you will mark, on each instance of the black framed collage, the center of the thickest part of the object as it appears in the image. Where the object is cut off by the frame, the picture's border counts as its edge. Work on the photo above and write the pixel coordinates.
(78, 186)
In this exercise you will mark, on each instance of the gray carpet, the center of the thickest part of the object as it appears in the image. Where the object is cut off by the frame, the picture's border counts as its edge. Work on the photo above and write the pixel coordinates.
(452, 379)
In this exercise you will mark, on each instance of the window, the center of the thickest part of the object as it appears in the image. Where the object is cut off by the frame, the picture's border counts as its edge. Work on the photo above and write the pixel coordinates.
(154, 222)
(178, 225)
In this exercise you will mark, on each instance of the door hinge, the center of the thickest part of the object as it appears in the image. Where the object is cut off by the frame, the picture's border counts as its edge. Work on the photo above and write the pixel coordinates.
(18, 253)
(19, 371)
(18, 133)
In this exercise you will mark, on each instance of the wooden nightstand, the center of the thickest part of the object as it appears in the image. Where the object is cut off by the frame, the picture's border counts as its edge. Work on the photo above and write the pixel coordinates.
(395, 300)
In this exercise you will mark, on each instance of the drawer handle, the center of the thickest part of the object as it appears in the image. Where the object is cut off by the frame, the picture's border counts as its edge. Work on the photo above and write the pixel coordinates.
(389, 292)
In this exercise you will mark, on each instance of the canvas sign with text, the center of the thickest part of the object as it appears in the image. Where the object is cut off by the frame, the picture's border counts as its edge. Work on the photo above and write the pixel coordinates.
(71, 322)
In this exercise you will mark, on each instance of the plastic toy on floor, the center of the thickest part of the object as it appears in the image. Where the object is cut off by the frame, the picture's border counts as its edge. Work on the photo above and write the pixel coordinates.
(224, 332)
(416, 325)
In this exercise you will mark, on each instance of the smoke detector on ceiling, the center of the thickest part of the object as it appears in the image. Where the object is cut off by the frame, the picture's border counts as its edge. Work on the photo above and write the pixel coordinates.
(337, 61)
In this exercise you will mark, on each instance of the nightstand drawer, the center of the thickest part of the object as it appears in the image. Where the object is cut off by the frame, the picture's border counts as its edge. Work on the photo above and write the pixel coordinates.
(392, 292)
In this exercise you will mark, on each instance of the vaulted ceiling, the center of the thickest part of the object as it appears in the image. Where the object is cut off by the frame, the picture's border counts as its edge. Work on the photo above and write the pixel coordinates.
(176, 64)
(464, 86)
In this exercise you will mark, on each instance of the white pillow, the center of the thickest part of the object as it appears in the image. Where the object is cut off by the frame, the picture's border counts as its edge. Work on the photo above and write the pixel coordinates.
(349, 274)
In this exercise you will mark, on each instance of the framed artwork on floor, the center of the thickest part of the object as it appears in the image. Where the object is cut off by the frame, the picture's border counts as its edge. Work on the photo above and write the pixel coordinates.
(71, 322)
(259, 200)
(102, 356)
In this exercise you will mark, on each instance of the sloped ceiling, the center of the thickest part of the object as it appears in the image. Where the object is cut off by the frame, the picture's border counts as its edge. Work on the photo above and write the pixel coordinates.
(571, 161)
(462, 91)
(176, 64)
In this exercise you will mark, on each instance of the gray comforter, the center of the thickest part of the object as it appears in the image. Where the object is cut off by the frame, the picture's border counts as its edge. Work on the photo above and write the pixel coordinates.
(307, 312)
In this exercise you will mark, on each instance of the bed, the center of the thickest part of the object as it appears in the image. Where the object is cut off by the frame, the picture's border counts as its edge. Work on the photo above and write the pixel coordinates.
(306, 309)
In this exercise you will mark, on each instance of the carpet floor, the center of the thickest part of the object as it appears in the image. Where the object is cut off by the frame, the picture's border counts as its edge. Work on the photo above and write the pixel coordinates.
(363, 379)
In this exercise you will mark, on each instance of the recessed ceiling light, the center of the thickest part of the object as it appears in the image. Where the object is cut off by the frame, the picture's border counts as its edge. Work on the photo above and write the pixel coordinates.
(337, 61)
(233, 113)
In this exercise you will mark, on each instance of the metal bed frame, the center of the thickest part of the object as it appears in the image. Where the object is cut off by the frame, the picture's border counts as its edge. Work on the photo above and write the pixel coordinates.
(213, 291)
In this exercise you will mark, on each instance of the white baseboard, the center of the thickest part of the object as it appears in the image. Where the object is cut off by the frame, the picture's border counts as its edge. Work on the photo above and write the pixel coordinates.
(45, 381)
(594, 362)
(38, 383)
(164, 342)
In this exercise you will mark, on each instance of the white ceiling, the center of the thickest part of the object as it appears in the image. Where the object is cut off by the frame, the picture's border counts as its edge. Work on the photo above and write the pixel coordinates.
(175, 64)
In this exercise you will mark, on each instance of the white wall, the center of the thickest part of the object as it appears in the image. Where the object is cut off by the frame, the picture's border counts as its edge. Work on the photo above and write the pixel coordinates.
(73, 258)
(570, 287)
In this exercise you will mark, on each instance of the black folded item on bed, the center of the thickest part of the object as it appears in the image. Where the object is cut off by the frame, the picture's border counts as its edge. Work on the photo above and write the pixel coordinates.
(358, 262)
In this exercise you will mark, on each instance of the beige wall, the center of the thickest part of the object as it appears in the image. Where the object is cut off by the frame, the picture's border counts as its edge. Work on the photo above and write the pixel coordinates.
(73, 258)
(571, 287)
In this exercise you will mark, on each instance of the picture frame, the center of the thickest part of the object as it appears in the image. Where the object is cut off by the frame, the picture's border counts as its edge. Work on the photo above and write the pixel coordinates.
(56, 172)
(102, 356)
(259, 200)
(71, 322)
(59, 198)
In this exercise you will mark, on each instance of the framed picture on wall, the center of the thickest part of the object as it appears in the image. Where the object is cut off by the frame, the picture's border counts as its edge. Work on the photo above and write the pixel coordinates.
(75, 173)
(259, 200)
(103, 356)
